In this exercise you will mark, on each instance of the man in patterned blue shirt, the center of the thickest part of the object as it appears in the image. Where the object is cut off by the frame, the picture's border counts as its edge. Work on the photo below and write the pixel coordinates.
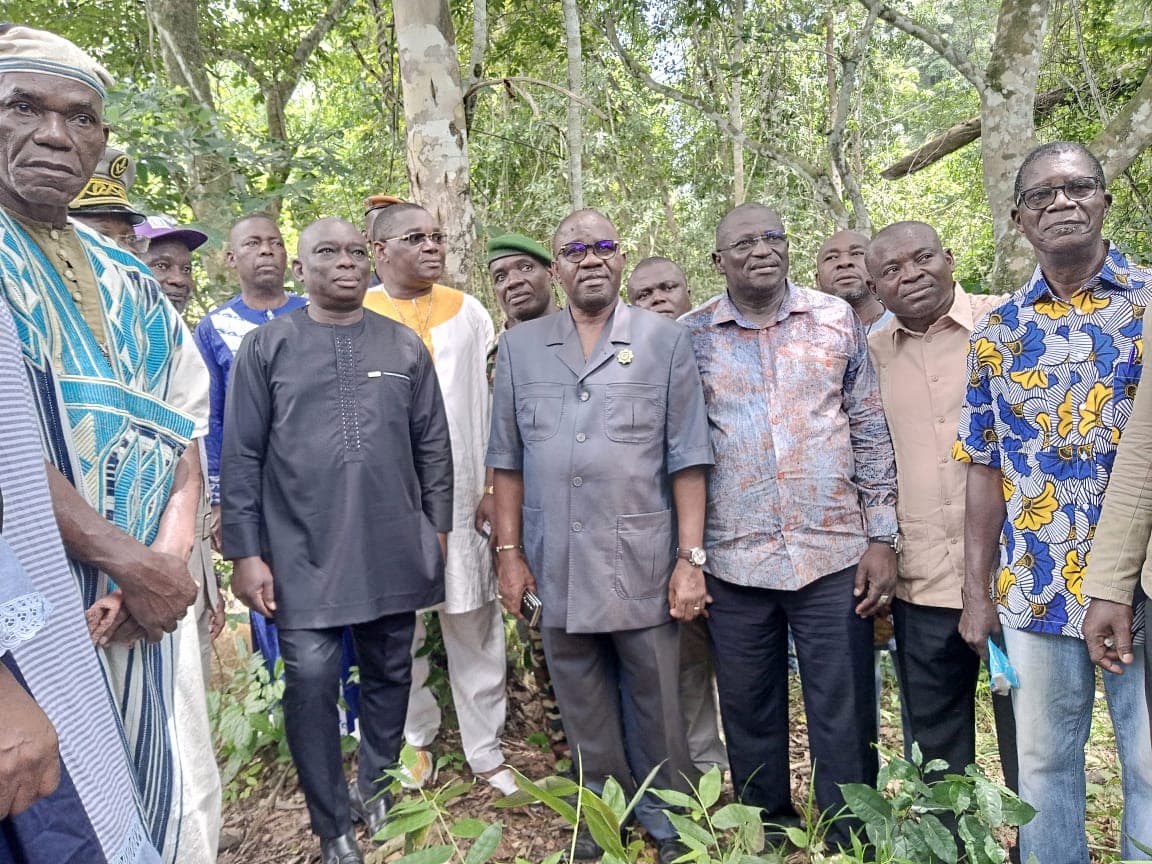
(1052, 373)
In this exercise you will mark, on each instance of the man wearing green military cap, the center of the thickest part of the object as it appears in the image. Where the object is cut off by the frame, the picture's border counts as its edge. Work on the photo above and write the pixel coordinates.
(522, 277)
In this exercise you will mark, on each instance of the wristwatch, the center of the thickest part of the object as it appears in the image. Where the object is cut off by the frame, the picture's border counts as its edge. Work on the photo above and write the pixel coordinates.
(894, 541)
(694, 555)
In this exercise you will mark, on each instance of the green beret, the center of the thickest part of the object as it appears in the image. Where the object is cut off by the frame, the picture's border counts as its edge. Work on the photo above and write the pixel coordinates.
(517, 244)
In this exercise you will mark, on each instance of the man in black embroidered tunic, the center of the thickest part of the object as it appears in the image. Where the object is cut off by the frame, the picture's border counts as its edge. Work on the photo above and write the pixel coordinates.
(336, 492)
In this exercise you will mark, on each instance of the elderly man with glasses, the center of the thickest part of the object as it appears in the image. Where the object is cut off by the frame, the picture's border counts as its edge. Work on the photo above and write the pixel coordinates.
(600, 450)
(801, 520)
(1052, 376)
(408, 246)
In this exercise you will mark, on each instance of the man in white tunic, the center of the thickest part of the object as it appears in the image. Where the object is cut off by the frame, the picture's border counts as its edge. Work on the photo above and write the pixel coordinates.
(408, 248)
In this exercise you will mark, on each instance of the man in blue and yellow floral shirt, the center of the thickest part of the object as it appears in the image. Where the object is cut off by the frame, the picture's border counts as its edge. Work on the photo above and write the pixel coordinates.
(1052, 373)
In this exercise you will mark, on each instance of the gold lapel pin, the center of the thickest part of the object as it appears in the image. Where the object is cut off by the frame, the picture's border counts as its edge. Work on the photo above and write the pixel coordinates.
(624, 356)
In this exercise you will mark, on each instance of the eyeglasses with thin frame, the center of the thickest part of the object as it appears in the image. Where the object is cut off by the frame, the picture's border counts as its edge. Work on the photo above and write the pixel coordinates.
(1041, 197)
(135, 242)
(574, 253)
(417, 238)
(775, 239)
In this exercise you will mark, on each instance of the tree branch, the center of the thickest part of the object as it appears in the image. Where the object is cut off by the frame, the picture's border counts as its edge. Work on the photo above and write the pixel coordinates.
(1122, 140)
(313, 37)
(247, 64)
(849, 63)
(508, 80)
(935, 40)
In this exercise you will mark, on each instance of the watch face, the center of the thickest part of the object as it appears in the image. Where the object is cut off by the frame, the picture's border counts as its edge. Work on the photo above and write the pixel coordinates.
(697, 557)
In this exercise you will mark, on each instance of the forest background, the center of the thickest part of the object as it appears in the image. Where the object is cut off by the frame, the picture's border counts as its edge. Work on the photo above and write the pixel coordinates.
(506, 114)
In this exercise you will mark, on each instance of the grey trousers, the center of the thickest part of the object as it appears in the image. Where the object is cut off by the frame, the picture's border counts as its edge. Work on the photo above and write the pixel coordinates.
(1148, 676)
(600, 676)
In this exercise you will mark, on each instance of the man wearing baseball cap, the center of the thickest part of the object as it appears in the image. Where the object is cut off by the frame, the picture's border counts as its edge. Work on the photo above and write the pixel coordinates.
(169, 256)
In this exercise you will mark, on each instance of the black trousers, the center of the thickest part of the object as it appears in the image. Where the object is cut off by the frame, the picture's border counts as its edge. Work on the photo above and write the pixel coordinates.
(938, 678)
(749, 633)
(312, 660)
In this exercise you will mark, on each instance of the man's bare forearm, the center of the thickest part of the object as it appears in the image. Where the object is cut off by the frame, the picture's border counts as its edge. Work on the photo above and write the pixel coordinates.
(690, 494)
(984, 512)
(87, 535)
(509, 504)
(177, 531)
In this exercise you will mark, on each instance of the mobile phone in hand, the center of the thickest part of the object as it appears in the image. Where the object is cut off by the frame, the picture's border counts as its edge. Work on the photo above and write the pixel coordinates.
(530, 607)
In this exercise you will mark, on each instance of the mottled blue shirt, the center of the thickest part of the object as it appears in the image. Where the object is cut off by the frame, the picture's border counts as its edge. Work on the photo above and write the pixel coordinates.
(805, 470)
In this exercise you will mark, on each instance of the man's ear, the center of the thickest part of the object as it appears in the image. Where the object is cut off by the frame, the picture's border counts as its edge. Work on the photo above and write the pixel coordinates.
(871, 286)
(298, 270)
(717, 263)
(230, 259)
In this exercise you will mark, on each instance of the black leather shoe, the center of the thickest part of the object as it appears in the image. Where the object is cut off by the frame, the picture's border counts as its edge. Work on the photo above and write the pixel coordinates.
(374, 813)
(341, 850)
(669, 850)
(586, 849)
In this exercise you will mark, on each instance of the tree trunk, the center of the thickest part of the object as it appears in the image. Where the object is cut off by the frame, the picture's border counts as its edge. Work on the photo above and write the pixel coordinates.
(436, 133)
(575, 133)
(1009, 129)
(735, 101)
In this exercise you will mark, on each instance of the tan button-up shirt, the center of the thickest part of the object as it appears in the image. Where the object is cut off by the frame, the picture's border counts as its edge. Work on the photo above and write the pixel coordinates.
(922, 380)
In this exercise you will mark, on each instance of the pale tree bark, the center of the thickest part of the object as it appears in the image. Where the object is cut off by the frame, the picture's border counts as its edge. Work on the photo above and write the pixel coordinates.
(735, 101)
(1008, 102)
(476, 56)
(841, 109)
(575, 132)
(436, 132)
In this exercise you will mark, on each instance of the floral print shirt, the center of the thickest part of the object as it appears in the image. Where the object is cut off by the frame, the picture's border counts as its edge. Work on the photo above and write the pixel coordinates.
(1050, 387)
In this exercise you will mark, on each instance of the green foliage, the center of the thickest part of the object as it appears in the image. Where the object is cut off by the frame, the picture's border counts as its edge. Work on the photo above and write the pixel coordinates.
(423, 829)
(248, 724)
(904, 816)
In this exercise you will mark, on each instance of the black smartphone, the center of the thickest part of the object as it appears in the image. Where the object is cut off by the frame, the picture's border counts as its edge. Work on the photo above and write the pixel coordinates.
(530, 607)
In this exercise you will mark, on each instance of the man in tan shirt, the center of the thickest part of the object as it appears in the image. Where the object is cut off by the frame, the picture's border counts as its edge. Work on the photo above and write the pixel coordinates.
(1120, 566)
(919, 357)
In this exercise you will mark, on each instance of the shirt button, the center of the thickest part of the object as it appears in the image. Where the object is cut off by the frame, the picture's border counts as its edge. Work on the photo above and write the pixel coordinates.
(953, 541)
(581, 437)
(69, 273)
(577, 527)
(60, 253)
(939, 419)
(78, 297)
(927, 338)
(54, 234)
(584, 395)
(947, 502)
(935, 377)
(577, 481)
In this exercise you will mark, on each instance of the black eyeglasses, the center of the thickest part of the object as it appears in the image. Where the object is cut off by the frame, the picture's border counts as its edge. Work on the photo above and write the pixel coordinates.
(574, 253)
(1039, 197)
(417, 238)
(775, 239)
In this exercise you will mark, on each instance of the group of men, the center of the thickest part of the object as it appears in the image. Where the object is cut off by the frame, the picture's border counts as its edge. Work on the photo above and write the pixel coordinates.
(677, 488)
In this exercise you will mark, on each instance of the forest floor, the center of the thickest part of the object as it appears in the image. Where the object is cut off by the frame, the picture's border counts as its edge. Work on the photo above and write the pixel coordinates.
(270, 826)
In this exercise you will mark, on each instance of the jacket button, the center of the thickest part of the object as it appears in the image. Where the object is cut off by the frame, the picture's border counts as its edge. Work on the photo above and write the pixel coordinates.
(577, 481)
(577, 527)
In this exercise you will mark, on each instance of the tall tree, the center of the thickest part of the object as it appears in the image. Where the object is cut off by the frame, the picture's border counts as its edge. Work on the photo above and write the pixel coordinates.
(435, 127)
(575, 131)
(1007, 86)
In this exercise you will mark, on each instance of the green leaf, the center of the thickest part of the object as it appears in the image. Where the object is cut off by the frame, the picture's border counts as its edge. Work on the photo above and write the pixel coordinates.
(407, 824)
(710, 785)
(939, 839)
(602, 831)
(990, 804)
(556, 804)
(954, 794)
(484, 846)
(1017, 812)
(431, 855)
(469, 828)
(733, 816)
(935, 765)
(973, 832)
(676, 799)
(797, 836)
(613, 797)
(866, 803)
(689, 831)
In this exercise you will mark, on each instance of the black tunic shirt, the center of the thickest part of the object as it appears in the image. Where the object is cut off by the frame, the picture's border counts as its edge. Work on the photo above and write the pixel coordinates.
(336, 468)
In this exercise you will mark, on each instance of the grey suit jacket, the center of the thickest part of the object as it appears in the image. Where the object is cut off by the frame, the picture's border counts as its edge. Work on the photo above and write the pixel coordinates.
(597, 442)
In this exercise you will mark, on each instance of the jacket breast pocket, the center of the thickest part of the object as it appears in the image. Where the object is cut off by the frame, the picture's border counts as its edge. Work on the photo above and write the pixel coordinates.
(539, 409)
(644, 554)
(633, 413)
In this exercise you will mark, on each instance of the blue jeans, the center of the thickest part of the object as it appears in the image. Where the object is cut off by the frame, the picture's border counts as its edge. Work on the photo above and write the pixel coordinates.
(1053, 708)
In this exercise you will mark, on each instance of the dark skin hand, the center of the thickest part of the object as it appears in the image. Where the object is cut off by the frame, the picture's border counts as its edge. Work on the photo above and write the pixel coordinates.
(486, 511)
(1109, 621)
(984, 512)
(875, 579)
(29, 750)
(512, 569)
(158, 589)
(688, 596)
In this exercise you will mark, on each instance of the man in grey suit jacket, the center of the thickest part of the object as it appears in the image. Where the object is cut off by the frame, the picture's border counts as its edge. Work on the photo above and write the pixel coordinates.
(600, 449)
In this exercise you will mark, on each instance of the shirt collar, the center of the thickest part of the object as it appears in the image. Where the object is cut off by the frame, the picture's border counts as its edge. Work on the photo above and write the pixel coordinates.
(564, 328)
(1113, 275)
(725, 311)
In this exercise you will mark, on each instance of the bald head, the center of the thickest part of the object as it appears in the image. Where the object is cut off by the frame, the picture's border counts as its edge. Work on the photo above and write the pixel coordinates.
(659, 285)
(911, 272)
(256, 252)
(748, 213)
(585, 216)
(592, 283)
(394, 220)
(332, 261)
(840, 267)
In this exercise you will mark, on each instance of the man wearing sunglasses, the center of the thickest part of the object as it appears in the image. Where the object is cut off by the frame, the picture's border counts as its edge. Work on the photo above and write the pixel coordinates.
(600, 450)
(801, 527)
(408, 246)
(1052, 376)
